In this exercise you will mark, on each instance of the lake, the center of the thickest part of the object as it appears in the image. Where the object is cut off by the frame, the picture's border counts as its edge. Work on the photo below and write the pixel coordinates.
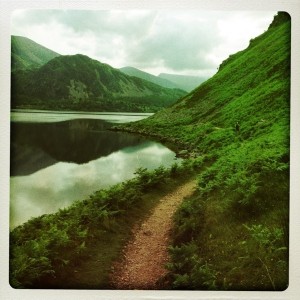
(60, 157)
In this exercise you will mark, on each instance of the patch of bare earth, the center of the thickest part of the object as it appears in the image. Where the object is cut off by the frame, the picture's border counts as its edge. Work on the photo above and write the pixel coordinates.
(145, 256)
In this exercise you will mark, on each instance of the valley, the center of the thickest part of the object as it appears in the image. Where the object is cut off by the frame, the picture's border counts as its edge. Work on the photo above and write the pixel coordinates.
(230, 227)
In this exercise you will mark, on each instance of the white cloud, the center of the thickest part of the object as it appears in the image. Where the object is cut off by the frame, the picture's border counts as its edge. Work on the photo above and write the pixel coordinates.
(184, 42)
(235, 33)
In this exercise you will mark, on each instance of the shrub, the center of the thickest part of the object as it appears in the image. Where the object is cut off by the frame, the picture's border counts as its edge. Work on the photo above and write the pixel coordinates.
(189, 271)
(267, 245)
(188, 220)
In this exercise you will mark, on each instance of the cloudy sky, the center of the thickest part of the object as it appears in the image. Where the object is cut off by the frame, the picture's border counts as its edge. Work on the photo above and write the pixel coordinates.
(170, 41)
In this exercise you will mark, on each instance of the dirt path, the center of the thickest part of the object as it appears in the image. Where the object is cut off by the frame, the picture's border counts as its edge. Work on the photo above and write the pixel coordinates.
(146, 254)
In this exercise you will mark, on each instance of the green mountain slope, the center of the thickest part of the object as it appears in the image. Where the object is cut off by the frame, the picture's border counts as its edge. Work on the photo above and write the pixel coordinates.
(27, 54)
(81, 83)
(185, 82)
(251, 86)
(149, 77)
(233, 234)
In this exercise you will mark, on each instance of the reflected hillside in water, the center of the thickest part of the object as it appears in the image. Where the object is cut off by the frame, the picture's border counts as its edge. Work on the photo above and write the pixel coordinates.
(35, 146)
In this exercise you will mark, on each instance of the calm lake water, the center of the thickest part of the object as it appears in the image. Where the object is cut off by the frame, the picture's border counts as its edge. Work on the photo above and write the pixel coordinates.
(57, 158)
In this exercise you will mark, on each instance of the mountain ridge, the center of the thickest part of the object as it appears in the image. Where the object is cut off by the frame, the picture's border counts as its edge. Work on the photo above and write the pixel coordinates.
(149, 77)
(185, 82)
(27, 54)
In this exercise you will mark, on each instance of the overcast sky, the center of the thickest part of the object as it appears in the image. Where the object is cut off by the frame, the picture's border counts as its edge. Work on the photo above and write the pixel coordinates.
(170, 41)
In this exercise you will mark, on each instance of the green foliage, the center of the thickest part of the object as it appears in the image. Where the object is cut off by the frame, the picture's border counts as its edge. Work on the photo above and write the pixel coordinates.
(190, 271)
(151, 179)
(77, 91)
(268, 247)
(188, 220)
(30, 263)
(242, 171)
(266, 238)
(39, 246)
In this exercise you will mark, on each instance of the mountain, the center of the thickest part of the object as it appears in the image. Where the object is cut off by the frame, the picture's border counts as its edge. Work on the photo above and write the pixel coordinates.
(27, 54)
(236, 125)
(80, 83)
(184, 82)
(149, 77)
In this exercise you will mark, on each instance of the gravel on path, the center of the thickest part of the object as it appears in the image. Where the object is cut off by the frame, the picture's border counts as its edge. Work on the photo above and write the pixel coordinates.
(145, 256)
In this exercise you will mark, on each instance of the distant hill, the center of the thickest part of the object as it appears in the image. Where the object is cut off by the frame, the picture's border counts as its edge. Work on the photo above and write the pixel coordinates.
(27, 54)
(185, 82)
(149, 77)
(80, 83)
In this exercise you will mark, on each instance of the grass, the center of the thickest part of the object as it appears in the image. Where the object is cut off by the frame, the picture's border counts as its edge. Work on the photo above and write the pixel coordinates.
(243, 253)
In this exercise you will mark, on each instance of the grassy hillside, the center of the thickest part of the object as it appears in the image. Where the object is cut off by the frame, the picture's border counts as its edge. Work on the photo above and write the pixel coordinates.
(149, 77)
(80, 83)
(27, 54)
(251, 86)
(234, 233)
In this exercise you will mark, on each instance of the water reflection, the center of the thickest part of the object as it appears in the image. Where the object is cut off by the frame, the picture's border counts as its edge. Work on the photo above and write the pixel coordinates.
(38, 145)
(67, 161)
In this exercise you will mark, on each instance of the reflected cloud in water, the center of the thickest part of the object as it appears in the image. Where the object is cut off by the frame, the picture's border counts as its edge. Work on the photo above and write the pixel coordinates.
(62, 183)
